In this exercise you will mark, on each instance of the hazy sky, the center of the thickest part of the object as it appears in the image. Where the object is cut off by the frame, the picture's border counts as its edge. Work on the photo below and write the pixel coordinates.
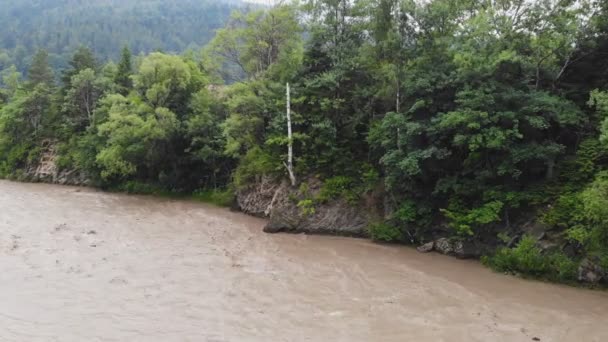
(267, 2)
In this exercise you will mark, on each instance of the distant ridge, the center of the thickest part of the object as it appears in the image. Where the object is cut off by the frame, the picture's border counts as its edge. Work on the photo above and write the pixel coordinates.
(60, 26)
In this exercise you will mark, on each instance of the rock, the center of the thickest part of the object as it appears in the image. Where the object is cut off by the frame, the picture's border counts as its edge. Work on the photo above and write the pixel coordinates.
(274, 227)
(466, 250)
(444, 246)
(45, 169)
(513, 241)
(258, 199)
(590, 272)
(459, 249)
(546, 245)
(427, 247)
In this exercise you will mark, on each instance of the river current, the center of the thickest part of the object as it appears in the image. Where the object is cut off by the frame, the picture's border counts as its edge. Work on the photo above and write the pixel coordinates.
(82, 265)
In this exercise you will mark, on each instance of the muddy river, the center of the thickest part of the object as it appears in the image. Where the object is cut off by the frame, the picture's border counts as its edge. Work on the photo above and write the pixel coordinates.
(82, 265)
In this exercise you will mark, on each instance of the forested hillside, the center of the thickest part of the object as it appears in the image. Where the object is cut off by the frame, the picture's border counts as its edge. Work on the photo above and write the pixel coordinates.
(61, 26)
(478, 121)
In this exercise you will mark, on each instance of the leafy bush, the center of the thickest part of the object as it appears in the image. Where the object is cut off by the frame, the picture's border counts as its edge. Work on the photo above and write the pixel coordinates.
(595, 210)
(563, 268)
(222, 198)
(16, 157)
(527, 259)
(338, 187)
(464, 221)
(565, 212)
(384, 232)
(307, 207)
(584, 215)
(254, 164)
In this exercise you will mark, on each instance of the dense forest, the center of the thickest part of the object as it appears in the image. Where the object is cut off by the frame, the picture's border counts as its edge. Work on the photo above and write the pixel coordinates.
(472, 115)
(61, 26)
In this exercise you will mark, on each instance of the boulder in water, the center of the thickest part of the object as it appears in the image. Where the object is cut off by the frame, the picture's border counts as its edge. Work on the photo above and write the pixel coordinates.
(427, 247)
(591, 272)
(444, 246)
(457, 248)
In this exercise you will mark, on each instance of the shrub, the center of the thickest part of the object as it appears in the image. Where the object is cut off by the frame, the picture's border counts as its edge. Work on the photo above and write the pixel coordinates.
(465, 221)
(526, 258)
(307, 207)
(566, 211)
(562, 268)
(135, 187)
(336, 187)
(222, 198)
(384, 232)
(254, 164)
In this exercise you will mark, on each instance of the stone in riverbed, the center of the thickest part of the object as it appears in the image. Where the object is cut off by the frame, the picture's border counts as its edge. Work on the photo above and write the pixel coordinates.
(444, 246)
(459, 249)
(591, 272)
(274, 227)
(466, 250)
(427, 247)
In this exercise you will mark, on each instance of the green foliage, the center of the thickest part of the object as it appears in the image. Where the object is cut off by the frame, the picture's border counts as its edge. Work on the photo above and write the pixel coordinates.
(253, 165)
(527, 259)
(584, 215)
(464, 221)
(565, 212)
(595, 211)
(307, 207)
(562, 268)
(135, 187)
(40, 70)
(599, 100)
(337, 187)
(62, 26)
(263, 41)
(221, 198)
(384, 232)
(122, 78)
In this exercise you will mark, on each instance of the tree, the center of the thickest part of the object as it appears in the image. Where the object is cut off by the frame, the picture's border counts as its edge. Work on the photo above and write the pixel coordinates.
(135, 135)
(124, 72)
(82, 96)
(82, 59)
(258, 41)
(11, 79)
(167, 81)
(289, 164)
(40, 71)
(599, 100)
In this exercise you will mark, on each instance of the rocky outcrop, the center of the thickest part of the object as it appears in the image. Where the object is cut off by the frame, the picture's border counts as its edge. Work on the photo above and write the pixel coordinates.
(296, 211)
(258, 198)
(45, 169)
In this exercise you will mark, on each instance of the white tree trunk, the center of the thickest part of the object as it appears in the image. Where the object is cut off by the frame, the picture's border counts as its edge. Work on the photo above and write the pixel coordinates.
(289, 165)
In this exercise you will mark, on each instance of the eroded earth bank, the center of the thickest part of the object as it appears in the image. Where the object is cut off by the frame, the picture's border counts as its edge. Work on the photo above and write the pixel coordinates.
(82, 265)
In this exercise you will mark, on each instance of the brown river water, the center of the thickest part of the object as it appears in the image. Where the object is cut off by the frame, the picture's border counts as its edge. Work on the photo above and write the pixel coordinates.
(83, 265)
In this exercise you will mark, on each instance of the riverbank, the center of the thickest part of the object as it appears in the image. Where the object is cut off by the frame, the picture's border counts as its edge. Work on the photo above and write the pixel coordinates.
(81, 264)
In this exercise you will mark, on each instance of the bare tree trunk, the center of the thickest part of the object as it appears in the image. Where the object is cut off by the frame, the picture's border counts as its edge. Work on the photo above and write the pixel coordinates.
(289, 165)
(550, 169)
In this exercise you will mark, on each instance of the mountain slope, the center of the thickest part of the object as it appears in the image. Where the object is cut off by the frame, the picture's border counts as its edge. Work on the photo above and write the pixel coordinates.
(105, 25)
